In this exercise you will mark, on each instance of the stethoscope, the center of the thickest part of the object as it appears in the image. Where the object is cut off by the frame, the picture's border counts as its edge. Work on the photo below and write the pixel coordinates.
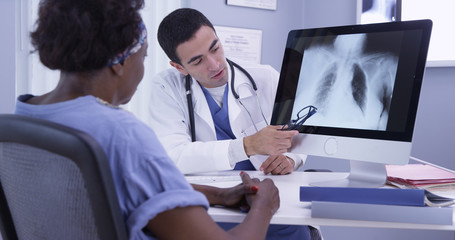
(234, 93)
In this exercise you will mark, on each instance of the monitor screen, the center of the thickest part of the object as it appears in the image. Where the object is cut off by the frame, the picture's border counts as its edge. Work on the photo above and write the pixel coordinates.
(362, 82)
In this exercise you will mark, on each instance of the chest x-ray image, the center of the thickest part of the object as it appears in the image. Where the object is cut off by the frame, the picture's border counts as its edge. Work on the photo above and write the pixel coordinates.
(349, 79)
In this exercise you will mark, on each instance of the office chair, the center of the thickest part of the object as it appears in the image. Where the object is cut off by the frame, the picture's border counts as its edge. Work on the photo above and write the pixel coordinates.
(55, 183)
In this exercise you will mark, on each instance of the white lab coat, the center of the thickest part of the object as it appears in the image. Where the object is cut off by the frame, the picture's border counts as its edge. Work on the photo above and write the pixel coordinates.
(169, 116)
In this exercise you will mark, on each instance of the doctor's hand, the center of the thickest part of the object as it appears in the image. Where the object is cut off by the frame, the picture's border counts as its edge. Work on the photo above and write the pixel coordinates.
(269, 141)
(277, 165)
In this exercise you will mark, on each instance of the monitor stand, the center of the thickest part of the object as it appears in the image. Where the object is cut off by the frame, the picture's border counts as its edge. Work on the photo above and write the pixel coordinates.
(362, 174)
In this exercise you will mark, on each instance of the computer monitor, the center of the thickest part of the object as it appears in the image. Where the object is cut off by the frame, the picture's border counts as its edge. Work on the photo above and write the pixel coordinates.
(364, 81)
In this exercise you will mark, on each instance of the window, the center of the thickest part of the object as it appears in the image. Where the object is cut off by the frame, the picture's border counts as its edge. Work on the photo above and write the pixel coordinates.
(441, 51)
(32, 77)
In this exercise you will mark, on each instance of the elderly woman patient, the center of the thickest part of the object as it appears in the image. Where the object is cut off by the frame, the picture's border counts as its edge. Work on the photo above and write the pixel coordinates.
(99, 47)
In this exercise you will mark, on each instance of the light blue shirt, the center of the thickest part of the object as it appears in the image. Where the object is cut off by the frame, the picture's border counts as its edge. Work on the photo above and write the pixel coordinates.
(146, 180)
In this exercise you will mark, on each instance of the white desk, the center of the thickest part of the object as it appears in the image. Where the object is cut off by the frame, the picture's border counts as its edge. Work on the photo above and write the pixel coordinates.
(294, 212)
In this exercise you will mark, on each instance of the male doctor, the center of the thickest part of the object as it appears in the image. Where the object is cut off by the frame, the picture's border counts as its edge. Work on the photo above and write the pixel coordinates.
(230, 132)
(230, 116)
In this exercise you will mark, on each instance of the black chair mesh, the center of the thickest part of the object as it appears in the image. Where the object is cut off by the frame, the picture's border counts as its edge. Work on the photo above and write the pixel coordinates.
(46, 194)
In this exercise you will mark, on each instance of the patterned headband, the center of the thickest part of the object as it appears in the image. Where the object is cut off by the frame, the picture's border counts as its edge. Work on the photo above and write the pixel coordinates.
(132, 49)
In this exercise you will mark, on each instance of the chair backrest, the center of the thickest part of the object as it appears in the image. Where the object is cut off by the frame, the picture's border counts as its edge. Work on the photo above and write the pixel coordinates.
(55, 183)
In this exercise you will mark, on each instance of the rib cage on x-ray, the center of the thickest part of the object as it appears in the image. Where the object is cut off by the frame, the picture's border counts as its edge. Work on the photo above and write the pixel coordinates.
(350, 87)
(358, 85)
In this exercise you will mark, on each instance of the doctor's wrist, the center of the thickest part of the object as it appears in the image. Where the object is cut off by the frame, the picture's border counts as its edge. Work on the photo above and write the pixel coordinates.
(249, 146)
(291, 161)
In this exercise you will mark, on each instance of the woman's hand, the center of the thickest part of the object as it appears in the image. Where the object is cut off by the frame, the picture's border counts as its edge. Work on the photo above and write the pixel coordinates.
(227, 197)
(250, 192)
(265, 197)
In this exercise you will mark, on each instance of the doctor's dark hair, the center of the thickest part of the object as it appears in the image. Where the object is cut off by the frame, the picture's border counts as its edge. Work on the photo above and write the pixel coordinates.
(83, 35)
(178, 27)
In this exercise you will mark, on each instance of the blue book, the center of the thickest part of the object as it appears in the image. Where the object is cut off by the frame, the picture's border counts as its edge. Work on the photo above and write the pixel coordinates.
(386, 196)
(382, 212)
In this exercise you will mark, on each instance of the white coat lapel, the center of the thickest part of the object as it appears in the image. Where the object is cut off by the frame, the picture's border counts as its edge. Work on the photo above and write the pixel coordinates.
(235, 108)
(201, 108)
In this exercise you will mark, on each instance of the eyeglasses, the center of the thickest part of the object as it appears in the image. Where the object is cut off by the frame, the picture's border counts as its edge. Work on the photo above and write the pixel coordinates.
(302, 116)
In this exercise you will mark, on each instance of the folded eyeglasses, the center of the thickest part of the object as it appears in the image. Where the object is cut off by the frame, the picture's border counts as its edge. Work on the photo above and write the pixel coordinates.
(302, 116)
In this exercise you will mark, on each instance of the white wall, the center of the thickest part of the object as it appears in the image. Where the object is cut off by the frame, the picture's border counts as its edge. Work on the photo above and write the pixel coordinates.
(275, 24)
(328, 13)
(7, 59)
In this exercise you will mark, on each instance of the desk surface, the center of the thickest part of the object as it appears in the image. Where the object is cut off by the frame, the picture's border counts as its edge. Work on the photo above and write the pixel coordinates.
(294, 212)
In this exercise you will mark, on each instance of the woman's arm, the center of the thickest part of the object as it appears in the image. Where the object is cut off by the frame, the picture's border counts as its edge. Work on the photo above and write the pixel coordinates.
(228, 197)
(194, 222)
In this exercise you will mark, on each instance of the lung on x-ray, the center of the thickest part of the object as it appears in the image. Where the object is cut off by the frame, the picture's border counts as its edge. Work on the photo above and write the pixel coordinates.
(349, 79)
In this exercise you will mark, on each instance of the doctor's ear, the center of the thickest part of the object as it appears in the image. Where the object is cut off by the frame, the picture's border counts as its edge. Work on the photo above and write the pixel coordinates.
(179, 67)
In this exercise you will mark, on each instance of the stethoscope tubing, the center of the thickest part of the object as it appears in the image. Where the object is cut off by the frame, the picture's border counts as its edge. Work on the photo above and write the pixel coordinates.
(189, 97)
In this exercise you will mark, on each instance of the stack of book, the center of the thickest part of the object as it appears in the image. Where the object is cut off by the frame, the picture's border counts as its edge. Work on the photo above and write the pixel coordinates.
(409, 203)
